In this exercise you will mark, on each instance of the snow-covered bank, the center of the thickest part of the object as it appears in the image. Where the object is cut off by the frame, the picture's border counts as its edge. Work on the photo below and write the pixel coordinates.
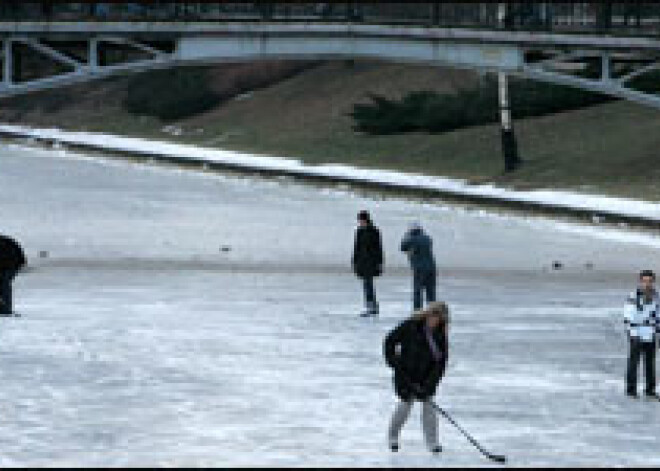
(598, 206)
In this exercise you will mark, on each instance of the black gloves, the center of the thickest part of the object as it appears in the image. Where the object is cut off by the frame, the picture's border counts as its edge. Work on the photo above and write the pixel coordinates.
(418, 391)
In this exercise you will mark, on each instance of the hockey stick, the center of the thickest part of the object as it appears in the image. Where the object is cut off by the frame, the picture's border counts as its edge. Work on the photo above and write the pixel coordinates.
(487, 454)
(471, 439)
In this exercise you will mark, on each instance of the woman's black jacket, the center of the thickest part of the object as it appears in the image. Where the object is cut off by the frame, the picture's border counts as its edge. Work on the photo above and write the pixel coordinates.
(408, 352)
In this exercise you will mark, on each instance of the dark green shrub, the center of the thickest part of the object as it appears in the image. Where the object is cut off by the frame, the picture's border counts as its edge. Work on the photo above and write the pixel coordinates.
(170, 94)
(648, 82)
(432, 112)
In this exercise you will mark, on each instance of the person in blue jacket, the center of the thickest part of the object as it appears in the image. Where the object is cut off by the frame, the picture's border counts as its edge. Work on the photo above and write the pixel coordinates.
(419, 247)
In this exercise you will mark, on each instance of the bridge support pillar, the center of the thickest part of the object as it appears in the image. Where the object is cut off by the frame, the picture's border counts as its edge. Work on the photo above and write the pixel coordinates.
(93, 54)
(8, 63)
(509, 144)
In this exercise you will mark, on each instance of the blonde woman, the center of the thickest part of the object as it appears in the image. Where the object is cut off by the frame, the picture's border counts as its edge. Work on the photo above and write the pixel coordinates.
(417, 351)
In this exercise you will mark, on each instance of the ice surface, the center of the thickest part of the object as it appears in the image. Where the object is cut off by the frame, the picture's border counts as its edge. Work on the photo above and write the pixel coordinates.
(143, 343)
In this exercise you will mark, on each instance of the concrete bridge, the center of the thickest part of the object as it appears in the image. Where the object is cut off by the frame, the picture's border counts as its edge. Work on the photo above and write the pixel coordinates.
(78, 50)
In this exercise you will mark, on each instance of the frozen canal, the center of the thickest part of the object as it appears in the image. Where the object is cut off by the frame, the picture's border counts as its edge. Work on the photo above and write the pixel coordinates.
(182, 318)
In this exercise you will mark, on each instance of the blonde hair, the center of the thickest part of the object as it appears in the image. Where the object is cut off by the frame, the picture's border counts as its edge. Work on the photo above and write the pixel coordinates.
(437, 309)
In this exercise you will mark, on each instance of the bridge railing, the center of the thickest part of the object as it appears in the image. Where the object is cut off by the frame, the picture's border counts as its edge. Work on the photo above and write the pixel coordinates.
(631, 17)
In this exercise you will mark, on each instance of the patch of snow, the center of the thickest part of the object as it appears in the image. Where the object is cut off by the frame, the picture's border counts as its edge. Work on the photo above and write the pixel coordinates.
(617, 205)
(243, 96)
(172, 130)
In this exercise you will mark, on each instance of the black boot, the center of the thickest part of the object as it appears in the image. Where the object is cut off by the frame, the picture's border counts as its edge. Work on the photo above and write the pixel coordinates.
(394, 444)
(371, 310)
(651, 396)
(374, 309)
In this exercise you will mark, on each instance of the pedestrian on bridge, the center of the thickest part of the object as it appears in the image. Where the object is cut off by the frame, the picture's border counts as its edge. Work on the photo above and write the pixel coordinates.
(417, 351)
(641, 315)
(12, 259)
(368, 260)
(419, 247)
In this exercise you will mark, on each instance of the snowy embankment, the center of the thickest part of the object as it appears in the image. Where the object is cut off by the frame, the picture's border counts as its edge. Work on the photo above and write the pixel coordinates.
(598, 207)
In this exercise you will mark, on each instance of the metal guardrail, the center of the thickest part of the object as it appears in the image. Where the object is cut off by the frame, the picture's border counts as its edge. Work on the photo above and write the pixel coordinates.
(628, 18)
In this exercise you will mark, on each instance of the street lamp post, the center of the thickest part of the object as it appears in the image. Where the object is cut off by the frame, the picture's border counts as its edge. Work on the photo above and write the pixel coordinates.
(509, 144)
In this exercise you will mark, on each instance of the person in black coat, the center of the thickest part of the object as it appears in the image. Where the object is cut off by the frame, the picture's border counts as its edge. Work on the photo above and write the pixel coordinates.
(368, 259)
(12, 259)
(417, 351)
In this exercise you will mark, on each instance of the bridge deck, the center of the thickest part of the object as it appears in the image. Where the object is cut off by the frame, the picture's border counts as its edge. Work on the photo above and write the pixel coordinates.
(145, 30)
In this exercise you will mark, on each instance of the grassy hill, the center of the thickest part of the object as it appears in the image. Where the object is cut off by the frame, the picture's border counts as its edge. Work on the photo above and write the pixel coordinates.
(302, 110)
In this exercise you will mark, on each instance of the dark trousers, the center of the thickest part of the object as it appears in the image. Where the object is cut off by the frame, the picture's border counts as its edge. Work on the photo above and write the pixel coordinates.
(6, 277)
(423, 281)
(637, 350)
(369, 290)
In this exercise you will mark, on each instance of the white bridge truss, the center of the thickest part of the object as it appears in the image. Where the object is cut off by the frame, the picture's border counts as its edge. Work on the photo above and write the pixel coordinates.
(550, 57)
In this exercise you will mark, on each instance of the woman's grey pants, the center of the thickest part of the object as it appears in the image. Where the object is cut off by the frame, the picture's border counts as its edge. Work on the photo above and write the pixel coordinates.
(429, 422)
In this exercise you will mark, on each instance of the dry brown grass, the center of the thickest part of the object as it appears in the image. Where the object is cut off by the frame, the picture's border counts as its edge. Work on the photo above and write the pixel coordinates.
(611, 148)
